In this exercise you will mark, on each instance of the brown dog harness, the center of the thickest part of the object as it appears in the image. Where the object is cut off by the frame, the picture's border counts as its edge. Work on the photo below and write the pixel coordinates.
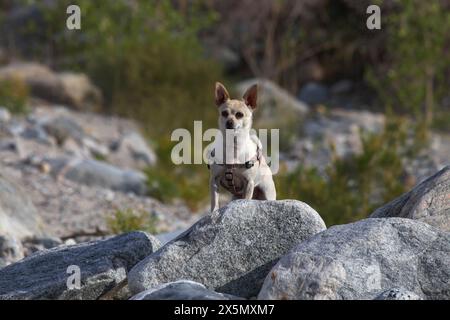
(229, 168)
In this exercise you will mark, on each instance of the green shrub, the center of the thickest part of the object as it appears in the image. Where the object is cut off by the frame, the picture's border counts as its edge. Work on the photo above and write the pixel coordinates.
(353, 187)
(100, 157)
(168, 181)
(441, 121)
(147, 59)
(145, 56)
(161, 184)
(14, 95)
(122, 221)
(191, 185)
(413, 76)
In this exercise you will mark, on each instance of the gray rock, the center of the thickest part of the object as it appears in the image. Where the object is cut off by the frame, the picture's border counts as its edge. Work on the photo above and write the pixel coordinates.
(429, 201)
(97, 173)
(70, 242)
(270, 95)
(165, 237)
(397, 294)
(5, 115)
(79, 91)
(131, 150)
(18, 216)
(103, 264)
(313, 93)
(230, 250)
(428, 160)
(338, 133)
(9, 145)
(95, 148)
(62, 128)
(13, 128)
(342, 87)
(34, 244)
(72, 89)
(182, 290)
(11, 250)
(42, 82)
(36, 133)
(74, 149)
(361, 259)
(277, 108)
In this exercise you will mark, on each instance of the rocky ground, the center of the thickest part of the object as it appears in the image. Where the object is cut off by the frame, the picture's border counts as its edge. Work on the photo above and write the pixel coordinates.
(75, 168)
(64, 171)
(52, 155)
(254, 249)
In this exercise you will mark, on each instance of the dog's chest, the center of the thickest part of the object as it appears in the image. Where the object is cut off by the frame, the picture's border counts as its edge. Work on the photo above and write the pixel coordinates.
(233, 181)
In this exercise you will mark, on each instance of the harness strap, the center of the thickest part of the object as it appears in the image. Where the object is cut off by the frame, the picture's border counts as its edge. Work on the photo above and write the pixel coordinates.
(229, 168)
(248, 164)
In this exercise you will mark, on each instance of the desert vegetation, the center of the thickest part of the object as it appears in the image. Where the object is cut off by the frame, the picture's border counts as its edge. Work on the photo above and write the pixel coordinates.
(156, 62)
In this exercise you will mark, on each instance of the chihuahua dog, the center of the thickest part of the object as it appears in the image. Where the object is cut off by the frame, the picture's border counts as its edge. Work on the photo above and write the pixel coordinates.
(236, 162)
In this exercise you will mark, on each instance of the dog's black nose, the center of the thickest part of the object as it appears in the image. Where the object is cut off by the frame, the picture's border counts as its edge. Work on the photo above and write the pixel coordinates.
(229, 124)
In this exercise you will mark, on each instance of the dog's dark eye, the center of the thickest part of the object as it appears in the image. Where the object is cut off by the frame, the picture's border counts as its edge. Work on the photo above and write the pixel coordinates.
(225, 113)
(239, 115)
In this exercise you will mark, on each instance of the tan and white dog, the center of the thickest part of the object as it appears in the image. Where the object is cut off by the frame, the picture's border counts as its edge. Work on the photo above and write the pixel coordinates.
(236, 161)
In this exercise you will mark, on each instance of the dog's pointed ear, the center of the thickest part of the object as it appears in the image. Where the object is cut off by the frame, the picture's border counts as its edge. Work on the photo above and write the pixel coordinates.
(221, 94)
(250, 96)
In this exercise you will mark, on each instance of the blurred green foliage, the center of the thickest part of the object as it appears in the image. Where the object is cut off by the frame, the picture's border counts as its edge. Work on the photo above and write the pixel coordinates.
(144, 55)
(14, 95)
(147, 59)
(441, 121)
(128, 220)
(353, 187)
(415, 74)
(167, 181)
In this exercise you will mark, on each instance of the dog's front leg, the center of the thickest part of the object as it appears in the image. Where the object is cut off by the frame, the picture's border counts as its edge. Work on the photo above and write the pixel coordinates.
(214, 190)
(249, 189)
